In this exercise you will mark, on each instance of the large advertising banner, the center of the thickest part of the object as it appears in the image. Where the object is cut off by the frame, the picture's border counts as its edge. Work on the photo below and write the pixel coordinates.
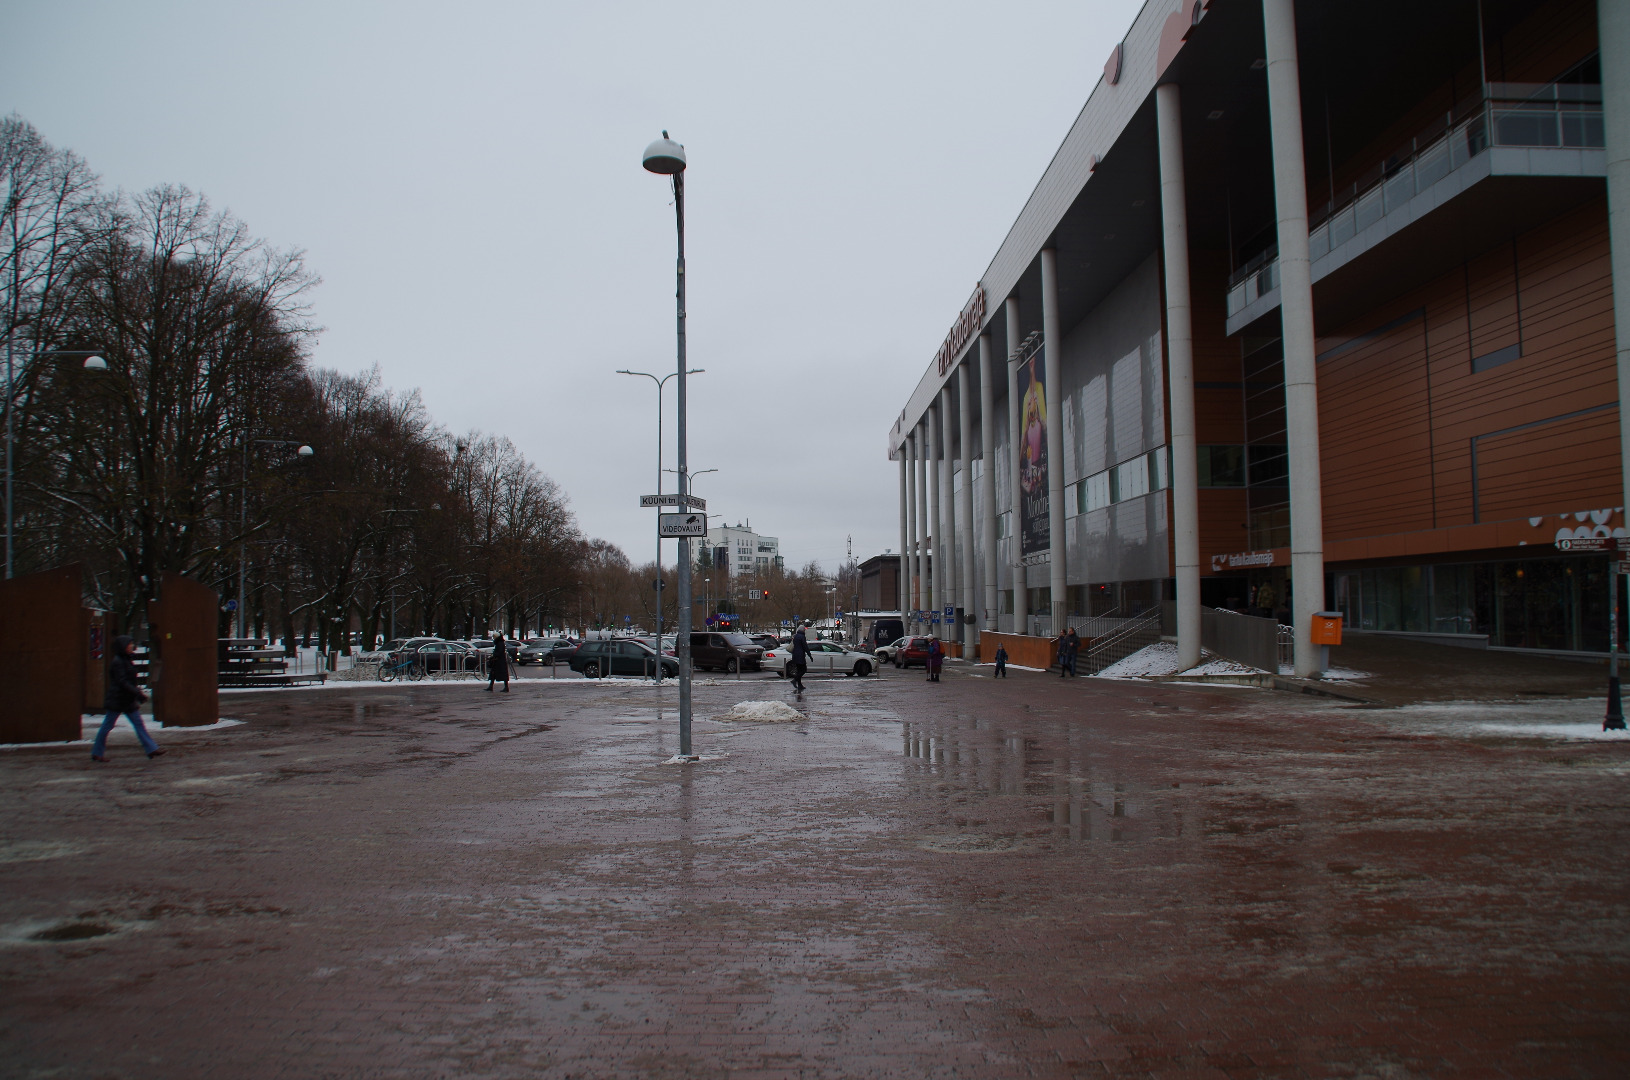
(1033, 534)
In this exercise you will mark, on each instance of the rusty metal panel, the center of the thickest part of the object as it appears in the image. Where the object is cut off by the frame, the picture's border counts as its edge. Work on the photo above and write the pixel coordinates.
(40, 616)
(183, 625)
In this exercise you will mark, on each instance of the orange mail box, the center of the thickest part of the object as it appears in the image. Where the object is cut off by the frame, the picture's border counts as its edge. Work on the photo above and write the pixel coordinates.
(1327, 628)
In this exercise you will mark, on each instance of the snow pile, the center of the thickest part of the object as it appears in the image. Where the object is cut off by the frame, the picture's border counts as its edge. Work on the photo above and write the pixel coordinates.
(1161, 659)
(764, 712)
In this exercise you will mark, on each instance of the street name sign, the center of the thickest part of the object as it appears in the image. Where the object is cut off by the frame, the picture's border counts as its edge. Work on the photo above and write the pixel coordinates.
(681, 524)
(674, 500)
(1592, 543)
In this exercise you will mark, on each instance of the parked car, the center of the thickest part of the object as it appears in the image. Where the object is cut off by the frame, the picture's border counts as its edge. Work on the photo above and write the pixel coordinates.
(765, 641)
(545, 650)
(624, 656)
(825, 657)
(670, 643)
(725, 652)
(381, 654)
(885, 653)
(914, 653)
(449, 656)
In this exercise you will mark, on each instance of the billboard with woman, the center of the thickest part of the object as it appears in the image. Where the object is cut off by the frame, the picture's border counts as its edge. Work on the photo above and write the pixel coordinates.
(1033, 534)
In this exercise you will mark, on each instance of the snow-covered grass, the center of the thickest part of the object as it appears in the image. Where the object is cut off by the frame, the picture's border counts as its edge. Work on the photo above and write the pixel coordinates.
(1161, 659)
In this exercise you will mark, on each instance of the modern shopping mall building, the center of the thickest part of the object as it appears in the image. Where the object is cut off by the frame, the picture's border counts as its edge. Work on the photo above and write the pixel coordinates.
(1313, 308)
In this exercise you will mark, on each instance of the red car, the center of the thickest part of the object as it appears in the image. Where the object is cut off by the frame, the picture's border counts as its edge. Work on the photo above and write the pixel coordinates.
(913, 652)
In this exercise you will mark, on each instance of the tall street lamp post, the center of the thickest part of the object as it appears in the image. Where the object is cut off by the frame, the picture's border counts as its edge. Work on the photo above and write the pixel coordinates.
(660, 470)
(667, 158)
(243, 526)
(93, 362)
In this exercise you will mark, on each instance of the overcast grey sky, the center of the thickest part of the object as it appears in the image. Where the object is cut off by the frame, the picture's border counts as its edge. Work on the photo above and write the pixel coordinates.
(466, 179)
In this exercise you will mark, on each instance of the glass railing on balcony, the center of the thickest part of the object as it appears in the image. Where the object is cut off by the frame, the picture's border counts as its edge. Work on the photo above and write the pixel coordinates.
(1510, 114)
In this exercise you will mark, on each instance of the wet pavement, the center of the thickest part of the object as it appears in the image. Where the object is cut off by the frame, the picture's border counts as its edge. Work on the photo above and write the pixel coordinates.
(1035, 877)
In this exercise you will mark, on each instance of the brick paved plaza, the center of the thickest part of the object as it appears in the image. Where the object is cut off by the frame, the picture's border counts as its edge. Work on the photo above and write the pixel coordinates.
(980, 879)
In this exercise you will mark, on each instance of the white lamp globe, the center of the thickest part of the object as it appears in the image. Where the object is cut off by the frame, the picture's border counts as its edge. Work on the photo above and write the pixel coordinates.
(665, 156)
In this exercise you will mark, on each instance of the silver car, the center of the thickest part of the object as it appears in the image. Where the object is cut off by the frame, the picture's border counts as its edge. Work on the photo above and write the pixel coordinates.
(825, 658)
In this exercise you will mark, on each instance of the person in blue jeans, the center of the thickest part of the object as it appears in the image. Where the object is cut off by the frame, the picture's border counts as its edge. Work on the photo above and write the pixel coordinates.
(124, 695)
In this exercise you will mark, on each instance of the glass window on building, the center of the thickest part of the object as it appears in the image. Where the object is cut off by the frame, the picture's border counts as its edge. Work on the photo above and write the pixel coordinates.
(1222, 466)
(1548, 603)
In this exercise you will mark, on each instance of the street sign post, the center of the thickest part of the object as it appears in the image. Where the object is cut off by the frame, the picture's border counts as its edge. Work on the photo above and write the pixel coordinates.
(681, 525)
(690, 501)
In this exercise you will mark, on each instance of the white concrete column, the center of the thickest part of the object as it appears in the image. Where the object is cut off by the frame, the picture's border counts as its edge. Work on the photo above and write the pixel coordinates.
(945, 524)
(1296, 320)
(1180, 376)
(920, 438)
(967, 632)
(1053, 344)
(936, 516)
(987, 480)
(1613, 34)
(905, 530)
(908, 563)
(1021, 585)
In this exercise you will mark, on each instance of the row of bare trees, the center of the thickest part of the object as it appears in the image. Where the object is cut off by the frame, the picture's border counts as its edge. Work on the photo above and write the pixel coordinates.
(182, 453)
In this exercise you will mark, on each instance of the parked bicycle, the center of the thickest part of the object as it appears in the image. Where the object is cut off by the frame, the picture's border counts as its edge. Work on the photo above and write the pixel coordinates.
(410, 667)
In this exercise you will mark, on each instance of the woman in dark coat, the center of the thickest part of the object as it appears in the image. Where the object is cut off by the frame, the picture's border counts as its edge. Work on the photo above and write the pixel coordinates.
(498, 666)
(124, 695)
(936, 657)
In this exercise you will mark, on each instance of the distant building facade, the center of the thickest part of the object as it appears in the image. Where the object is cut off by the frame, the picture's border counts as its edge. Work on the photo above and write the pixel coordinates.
(741, 552)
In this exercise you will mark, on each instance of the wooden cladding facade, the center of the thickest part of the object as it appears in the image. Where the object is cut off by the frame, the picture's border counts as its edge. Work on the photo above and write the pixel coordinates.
(1488, 394)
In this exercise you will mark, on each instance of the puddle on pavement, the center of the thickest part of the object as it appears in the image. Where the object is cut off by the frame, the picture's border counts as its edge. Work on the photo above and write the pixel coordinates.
(1057, 792)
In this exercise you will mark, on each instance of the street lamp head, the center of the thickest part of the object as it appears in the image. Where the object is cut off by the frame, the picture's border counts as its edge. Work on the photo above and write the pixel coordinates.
(305, 451)
(665, 156)
(95, 363)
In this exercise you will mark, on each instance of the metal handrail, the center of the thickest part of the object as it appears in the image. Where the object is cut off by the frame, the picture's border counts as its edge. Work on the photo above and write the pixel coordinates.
(1508, 114)
(1139, 631)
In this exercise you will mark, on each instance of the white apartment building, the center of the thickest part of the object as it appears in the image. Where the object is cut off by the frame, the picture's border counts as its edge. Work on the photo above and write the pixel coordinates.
(741, 551)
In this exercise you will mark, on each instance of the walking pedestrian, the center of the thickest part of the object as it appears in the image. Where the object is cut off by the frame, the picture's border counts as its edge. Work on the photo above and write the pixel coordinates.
(124, 695)
(800, 657)
(1001, 661)
(1074, 641)
(936, 657)
(498, 666)
(1067, 643)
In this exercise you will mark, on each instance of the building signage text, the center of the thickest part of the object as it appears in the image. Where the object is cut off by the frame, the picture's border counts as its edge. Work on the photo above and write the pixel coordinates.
(965, 327)
(1242, 560)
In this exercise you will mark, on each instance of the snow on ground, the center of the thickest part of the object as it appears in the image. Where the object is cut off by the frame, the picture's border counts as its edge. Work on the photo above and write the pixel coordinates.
(1335, 674)
(764, 712)
(1564, 718)
(123, 733)
(1161, 659)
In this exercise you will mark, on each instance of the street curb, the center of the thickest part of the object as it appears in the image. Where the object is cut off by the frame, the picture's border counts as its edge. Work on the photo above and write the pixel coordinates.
(1306, 686)
(1263, 679)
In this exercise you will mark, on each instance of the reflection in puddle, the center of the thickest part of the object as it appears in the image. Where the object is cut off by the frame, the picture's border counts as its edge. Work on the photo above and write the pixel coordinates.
(995, 780)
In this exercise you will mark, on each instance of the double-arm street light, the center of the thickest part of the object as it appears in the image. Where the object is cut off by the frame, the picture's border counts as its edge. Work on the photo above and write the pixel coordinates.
(93, 362)
(662, 382)
(667, 158)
